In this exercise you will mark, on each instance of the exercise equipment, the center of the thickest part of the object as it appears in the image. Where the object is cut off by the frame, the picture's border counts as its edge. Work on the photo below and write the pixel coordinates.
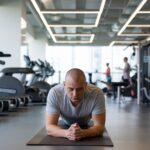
(12, 92)
(42, 72)
(119, 88)
(4, 54)
(16, 87)
(146, 92)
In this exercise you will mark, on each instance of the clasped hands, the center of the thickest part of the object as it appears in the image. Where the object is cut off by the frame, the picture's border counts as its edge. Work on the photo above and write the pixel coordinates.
(74, 132)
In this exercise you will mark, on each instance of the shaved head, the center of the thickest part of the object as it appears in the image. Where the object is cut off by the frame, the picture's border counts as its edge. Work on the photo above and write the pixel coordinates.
(75, 74)
(75, 84)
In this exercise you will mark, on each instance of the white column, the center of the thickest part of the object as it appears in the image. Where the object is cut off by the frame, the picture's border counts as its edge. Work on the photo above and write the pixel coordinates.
(10, 32)
(37, 46)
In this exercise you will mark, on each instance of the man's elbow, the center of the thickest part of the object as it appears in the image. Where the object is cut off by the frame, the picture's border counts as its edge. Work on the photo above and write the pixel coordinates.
(100, 129)
(48, 129)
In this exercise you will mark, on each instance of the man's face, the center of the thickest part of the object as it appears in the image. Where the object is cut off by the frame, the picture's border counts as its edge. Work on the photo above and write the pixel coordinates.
(75, 90)
(125, 60)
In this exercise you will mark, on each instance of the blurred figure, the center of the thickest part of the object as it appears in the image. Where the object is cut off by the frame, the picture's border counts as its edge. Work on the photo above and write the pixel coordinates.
(126, 71)
(108, 73)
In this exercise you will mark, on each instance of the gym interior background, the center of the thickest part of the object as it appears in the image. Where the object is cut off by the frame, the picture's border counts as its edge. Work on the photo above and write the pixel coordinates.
(85, 34)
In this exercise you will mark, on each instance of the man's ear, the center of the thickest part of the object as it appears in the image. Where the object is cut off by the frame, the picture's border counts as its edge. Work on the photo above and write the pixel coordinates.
(85, 85)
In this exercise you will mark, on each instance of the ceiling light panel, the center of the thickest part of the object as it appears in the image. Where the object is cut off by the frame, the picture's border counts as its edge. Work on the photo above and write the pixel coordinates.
(141, 19)
(79, 18)
(74, 38)
(69, 4)
(136, 30)
(139, 26)
(142, 3)
(37, 8)
(71, 19)
(46, 4)
(146, 7)
(113, 43)
(58, 14)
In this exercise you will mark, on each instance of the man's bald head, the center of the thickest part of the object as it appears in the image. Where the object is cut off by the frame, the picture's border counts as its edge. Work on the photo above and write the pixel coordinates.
(75, 84)
(75, 74)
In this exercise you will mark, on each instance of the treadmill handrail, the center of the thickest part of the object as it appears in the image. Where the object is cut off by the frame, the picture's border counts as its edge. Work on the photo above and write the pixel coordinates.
(11, 70)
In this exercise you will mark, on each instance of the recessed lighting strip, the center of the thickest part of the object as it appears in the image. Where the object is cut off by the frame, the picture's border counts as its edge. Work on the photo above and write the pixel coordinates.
(144, 12)
(132, 16)
(61, 35)
(71, 25)
(73, 42)
(92, 38)
(81, 35)
(128, 34)
(69, 12)
(139, 25)
(41, 14)
(99, 13)
(123, 42)
(43, 19)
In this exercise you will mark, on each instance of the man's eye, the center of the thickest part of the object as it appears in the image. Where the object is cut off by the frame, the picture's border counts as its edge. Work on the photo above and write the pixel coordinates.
(80, 89)
(70, 89)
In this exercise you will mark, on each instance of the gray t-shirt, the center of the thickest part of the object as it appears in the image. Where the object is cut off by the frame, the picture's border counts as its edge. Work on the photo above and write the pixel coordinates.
(58, 102)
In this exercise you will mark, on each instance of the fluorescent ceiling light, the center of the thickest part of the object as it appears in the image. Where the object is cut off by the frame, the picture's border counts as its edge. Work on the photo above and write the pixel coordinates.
(43, 19)
(128, 34)
(81, 35)
(139, 25)
(123, 42)
(99, 13)
(41, 14)
(131, 17)
(85, 35)
(92, 38)
(144, 12)
(23, 23)
(71, 26)
(73, 42)
(69, 12)
(148, 39)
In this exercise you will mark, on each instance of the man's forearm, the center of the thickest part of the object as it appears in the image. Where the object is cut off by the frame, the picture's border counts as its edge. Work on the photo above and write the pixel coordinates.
(56, 131)
(93, 131)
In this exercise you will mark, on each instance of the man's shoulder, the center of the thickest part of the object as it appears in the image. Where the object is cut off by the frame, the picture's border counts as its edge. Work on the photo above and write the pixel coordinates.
(58, 88)
(57, 92)
(92, 88)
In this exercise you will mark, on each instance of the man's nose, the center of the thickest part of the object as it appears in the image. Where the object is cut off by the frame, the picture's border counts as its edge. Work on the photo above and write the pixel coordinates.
(74, 92)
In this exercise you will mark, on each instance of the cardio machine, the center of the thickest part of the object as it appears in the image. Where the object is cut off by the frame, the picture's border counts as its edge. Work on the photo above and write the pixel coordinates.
(9, 101)
(42, 72)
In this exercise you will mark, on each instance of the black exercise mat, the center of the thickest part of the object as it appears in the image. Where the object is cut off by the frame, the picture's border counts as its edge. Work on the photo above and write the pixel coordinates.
(42, 139)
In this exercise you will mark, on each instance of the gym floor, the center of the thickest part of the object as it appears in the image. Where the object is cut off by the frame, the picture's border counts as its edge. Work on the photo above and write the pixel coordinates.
(128, 125)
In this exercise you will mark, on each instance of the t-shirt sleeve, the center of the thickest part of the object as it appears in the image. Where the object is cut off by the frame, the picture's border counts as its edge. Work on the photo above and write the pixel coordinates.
(52, 103)
(99, 105)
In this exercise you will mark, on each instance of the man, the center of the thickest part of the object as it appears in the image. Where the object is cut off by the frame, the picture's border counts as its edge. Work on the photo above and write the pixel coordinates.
(126, 71)
(108, 73)
(76, 102)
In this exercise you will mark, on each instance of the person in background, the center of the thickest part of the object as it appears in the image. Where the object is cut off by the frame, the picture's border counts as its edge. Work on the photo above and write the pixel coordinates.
(77, 103)
(108, 73)
(126, 71)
